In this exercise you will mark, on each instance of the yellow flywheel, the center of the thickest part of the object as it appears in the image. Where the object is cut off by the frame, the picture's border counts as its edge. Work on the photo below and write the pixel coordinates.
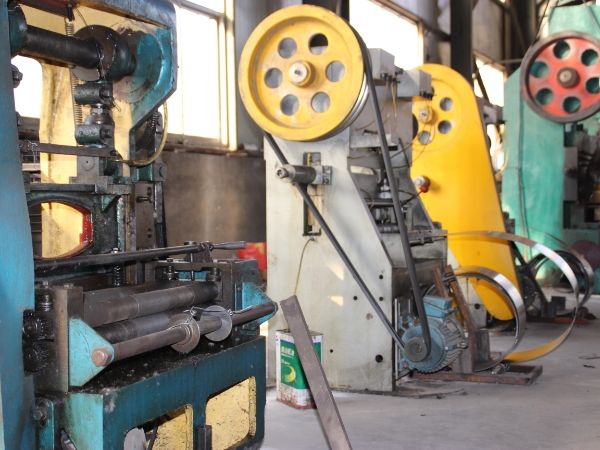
(301, 74)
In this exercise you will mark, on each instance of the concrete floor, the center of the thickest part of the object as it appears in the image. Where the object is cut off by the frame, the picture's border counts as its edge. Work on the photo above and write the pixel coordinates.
(561, 410)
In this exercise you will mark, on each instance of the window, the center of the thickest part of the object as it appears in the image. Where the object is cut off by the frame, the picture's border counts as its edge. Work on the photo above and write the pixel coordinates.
(28, 96)
(493, 79)
(199, 108)
(381, 27)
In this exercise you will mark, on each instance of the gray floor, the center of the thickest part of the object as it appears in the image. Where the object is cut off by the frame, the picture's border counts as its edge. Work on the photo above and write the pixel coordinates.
(559, 411)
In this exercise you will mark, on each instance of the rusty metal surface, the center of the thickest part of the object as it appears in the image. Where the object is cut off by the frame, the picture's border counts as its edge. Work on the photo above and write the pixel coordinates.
(214, 197)
(516, 374)
(329, 415)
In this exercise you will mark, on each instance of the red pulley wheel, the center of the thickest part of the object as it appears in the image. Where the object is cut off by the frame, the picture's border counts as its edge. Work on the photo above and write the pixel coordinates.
(560, 77)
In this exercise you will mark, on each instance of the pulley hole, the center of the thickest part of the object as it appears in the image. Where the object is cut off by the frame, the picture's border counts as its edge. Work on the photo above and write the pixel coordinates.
(544, 96)
(539, 69)
(320, 102)
(446, 104)
(444, 127)
(571, 104)
(335, 71)
(273, 78)
(318, 43)
(424, 137)
(589, 57)
(289, 105)
(287, 47)
(593, 85)
(561, 49)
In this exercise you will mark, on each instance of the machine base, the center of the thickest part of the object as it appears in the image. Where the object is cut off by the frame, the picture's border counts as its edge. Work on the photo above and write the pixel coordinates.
(515, 374)
(137, 391)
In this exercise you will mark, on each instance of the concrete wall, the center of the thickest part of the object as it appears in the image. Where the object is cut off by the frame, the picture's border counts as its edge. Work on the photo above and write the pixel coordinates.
(214, 198)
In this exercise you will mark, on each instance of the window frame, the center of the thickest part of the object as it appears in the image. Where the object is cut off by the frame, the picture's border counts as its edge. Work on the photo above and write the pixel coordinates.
(227, 139)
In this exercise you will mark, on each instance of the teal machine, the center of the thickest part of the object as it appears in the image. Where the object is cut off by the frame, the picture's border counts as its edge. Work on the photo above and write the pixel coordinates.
(102, 346)
(551, 184)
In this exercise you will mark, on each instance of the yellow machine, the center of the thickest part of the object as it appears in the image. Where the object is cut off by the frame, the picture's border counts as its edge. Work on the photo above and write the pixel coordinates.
(450, 151)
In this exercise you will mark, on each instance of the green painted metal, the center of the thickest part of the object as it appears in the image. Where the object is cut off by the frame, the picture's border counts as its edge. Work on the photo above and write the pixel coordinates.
(252, 295)
(99, 416)
(47, 430)
(83, 340)
(16, 272)
(532, 184)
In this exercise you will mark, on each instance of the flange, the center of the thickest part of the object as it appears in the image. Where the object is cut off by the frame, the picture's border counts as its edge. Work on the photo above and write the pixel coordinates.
(560, 77)
(301, 73)
(192, 330)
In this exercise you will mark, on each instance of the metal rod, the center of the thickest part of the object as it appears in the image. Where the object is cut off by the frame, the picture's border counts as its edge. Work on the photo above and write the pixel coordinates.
(96, 313)
(397, 206)
(338, 248)
(106, 259)
(66, 149)
(40, 43)
(253, 313)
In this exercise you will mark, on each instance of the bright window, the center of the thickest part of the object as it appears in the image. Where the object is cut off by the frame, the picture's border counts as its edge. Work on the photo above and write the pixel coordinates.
(28, 96)
(493, 80)
(381, 27)
(198, 108)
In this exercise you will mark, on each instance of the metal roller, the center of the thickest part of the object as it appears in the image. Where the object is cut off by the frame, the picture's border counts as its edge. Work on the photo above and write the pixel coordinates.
(103, 311)
(560, 77)
(301, 74)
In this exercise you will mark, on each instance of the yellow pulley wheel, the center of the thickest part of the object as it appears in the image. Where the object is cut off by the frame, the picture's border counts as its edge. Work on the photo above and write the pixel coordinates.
(301, 74)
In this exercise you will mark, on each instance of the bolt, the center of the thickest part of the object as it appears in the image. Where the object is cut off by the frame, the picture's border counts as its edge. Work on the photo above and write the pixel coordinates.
(568, 77)
(101, 357)
(40, 413)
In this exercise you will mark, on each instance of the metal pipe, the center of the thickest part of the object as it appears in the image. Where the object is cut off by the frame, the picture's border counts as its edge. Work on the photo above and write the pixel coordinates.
(253, 312)
(109, 259)
(44, 44)
(101, 312)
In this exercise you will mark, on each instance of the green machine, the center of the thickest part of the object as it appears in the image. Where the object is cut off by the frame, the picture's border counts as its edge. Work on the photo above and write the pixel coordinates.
(551, 184)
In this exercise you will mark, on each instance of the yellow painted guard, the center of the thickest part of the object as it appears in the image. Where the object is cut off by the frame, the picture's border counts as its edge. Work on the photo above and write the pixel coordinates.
(451, 150)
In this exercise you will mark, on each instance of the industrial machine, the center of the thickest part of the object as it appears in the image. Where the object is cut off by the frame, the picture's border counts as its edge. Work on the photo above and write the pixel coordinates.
(552, 141)
(346, 229)
(120, 342)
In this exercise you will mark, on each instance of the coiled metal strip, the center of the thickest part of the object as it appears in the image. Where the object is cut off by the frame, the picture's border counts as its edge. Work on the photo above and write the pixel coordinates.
(516, 304)
(559, 261)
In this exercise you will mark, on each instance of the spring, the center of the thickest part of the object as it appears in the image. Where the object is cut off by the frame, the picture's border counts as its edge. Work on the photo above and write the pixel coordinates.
(45, 303)
(118, 275)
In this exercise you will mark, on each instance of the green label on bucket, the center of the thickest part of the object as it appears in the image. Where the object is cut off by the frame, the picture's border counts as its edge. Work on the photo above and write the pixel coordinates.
(291, 369)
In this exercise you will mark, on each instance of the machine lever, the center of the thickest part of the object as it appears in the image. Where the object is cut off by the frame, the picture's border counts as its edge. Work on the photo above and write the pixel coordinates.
(235, 245)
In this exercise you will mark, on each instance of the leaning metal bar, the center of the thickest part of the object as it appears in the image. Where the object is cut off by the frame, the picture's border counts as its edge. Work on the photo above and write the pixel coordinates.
(334, 242)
